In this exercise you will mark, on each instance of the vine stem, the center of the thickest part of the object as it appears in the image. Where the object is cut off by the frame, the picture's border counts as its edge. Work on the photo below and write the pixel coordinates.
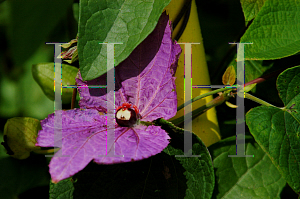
(215, 102)
(264, 77)
(203, 95)
(255, 99)
(74, 97)
(45, 152)
(257, 81)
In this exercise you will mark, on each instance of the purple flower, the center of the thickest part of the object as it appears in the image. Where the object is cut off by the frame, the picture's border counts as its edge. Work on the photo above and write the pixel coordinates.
(145, 79)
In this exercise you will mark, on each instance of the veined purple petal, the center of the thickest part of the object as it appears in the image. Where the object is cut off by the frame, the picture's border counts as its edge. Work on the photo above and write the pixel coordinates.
(136, 143)
(144, 79)
(74, 122)
(84, 138)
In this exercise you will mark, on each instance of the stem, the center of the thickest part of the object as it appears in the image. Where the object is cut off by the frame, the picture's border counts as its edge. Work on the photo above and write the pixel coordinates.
(215, 102)
(185, 19)
(74, 97)
(222, 98)
(255, 99)
(45, 152)
(184, 9)
(257, 80)
(161, 122)
(265, 77)
(202, 96)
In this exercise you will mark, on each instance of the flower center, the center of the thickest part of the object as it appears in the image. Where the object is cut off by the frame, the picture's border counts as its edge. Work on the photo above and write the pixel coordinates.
(123, 114)
(126, 117)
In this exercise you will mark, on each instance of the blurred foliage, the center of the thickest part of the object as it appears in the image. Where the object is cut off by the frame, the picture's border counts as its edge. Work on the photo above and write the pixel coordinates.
(25, 27)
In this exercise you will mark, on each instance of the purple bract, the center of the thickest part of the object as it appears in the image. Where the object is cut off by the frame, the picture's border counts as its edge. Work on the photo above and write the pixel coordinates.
(144, 79)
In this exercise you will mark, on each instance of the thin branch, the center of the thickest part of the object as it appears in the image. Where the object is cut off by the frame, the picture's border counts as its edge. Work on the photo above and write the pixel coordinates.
(265, 77)
(202, 96)
(74, 97)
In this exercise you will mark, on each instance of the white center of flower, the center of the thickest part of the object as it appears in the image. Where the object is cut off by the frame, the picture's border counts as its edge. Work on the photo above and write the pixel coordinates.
(123, 115)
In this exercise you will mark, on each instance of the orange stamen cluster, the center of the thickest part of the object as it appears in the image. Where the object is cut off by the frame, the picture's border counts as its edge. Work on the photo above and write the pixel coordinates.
(126, 105)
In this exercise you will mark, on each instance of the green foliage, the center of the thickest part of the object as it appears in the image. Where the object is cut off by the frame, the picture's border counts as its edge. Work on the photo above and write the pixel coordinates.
(251, 8)
(126, 22)
(64, 189)
(244, 177)
(277, 130)
(274, 32)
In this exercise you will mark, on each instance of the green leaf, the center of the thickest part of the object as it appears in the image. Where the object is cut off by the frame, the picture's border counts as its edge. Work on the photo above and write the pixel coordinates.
(125, 21)
(198, 170)
(244, 177)
(18, 176)
(160, 176)
(251, 8)
(274, 32)
(278, 130)
(64, 189)
(43, 74)
(20, 136)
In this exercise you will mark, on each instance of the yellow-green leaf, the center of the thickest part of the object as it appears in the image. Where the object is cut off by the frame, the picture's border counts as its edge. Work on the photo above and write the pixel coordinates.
(20, 136)
(229, 76)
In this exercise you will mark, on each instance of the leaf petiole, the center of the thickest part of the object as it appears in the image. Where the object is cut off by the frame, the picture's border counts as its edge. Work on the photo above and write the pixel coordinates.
(74, 96)
(195, 113)
(255, 99)
(45, 152)
(204, 95)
